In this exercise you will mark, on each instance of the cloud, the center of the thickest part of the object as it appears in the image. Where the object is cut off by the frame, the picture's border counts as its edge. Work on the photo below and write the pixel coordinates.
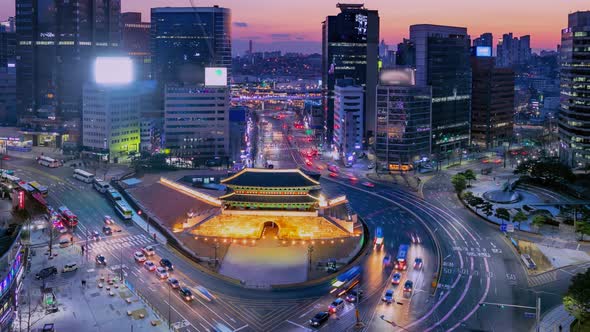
(240, 24)
(280, 35)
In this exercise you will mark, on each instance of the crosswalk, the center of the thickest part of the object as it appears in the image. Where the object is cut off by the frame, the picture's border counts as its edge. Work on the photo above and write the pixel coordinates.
(543, 278)
(111, 244)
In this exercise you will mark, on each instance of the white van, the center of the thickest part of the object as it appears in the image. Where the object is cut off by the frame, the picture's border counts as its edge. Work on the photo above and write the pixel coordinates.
(101, 186)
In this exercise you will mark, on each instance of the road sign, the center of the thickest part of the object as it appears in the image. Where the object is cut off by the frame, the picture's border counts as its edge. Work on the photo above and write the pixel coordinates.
(503, 227)
(510, 228)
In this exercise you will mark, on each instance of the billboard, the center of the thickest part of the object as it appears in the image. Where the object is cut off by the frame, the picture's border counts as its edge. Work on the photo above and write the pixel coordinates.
(216, 76)
(113, 70)
(483, 51)
(399, 76)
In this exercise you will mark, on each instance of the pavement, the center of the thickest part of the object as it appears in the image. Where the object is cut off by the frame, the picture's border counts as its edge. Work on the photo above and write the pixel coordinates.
(556, 320)
(80, 307)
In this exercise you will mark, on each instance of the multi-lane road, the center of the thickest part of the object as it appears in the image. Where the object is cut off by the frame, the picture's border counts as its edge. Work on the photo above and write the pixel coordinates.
(470, 261)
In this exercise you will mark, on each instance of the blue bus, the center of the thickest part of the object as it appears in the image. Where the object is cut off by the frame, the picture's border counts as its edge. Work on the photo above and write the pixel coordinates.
(346, 281)
(401, 259)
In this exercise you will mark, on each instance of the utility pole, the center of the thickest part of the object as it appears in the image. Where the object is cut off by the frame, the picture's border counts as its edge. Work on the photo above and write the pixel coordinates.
(538, 312)
(50, 240)
(169, 314)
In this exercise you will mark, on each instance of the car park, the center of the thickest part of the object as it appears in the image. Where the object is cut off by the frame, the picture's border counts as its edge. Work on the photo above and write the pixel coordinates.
(149, 265)
(46, 272)
(319, 319)
(70, 267)
(396, 279)
(149, 250)
(336, 305)
(161, 273)
(388, 296)
(139, 257)
(174, 283)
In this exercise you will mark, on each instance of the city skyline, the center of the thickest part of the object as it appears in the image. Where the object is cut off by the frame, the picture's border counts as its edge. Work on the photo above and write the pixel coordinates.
(282, 28)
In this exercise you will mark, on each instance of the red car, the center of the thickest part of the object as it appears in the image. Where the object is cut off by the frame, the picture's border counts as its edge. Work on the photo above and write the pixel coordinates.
(333, 175)
(368, 184)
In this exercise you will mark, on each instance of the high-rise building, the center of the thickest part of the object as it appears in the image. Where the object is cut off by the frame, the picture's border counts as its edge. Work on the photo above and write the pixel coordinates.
(185, 40)
(485, 39)
(492, 103)
(348, 120)
(406, 54)
(238, 124)
(350, 46)
(196, 125)
(111, 117)
(442, 62)
(404, 115)
(512, 51)
(56, 44)
(574, 114)
(8, 96)
(135, 41)
(7, 47)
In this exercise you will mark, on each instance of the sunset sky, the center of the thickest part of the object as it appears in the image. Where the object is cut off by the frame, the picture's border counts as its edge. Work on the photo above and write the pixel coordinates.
(295, 25)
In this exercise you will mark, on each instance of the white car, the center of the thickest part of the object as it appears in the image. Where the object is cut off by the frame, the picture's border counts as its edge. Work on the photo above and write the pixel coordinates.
(109, 220)
(149, 265)
(161, 273)
(139, 257)
(149, 250)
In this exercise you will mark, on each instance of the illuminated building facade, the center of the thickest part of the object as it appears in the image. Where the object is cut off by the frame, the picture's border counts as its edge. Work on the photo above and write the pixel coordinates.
(442, 62)
(11, 276)
(348, 120)
(403, 134)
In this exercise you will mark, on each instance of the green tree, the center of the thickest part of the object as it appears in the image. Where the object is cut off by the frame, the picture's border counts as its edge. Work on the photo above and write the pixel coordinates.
(519, 217)
(459, 182)
(468, 195)
(469, 176)
(583, 227)
(577, 299)
(503, 214)
(538, 220)
(487, 208)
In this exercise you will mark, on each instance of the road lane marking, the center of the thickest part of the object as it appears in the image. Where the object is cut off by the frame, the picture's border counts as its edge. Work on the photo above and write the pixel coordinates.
(241, 328)
(298, 325)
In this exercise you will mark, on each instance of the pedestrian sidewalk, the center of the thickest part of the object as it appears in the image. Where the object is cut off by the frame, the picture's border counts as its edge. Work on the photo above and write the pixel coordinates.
(554, 319)
(85, 299)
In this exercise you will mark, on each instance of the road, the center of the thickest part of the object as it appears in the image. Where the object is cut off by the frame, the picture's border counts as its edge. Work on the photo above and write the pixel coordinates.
(477, 263)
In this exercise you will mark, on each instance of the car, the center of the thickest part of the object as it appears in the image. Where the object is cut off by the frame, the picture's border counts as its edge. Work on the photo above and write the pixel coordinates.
(334, 175)
(100, 260)
(353, 295)
(149, 250)
(387, 261)
(70, 267)
(415, 238)
(408, 286)
(46, 272)
(336, 305)
(397, 277)
(64, 242)
(319, 319)
(139, 257)
(388, 296)
(186, 293)
(308, 163)
(5, 157)
(161, 272)
(368, 184)
(418, 263)
(109, 220)
(353, 178)
(320, 167)
(173, 282)
(167, 264)
(149, 265)
(49, 327)
(95, 236)
(107, 230)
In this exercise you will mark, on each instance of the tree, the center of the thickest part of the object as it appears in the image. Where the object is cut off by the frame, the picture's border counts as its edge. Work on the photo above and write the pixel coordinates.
(468, 195)
(502, 213)
(583, 227)
(538, 220)
(519, 217)
(459, 182)
(577, 299)
(469, 176)
(487, 208)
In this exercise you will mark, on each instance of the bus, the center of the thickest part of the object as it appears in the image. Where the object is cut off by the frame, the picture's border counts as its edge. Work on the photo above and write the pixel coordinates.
(83, 176)
(114, 195)
(10, 179)
(48, 162)
(6, 171)
(40, 188)
(401, 259)
(346, 281)
(26, 187)
(123, 209)
(70, 219)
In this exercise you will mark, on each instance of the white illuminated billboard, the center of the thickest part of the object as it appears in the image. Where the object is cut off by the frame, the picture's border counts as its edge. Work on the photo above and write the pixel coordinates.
(483, 51)
(215, 76)
(113, 70)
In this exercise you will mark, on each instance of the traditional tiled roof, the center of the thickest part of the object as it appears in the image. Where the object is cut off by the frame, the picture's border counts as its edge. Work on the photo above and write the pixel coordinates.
(277, 199)
(270, 178)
